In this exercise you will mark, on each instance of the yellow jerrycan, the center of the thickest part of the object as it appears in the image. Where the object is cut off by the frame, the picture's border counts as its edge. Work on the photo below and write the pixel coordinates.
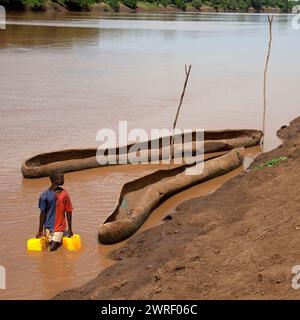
(37, 244)
(72, 243)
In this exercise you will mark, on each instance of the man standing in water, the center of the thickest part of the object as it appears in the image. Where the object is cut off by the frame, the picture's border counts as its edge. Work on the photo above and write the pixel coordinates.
(55, 205)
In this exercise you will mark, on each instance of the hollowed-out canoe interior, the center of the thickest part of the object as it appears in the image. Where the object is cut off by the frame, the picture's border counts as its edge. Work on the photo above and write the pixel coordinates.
(51, 157)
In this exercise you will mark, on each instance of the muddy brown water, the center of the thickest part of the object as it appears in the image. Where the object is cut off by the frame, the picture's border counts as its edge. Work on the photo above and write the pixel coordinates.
(64, 77)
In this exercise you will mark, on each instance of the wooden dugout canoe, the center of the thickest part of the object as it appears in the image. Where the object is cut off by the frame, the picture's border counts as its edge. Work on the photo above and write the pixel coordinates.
(139, 197)
(80, 159)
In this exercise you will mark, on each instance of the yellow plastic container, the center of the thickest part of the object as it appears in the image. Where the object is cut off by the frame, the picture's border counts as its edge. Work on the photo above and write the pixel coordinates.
(72, 243)
(37, 244)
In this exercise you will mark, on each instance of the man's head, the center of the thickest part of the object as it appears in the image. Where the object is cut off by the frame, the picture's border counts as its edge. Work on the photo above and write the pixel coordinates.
(57, 178)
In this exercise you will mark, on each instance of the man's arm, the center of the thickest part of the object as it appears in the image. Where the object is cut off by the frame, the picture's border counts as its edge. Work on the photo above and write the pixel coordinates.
(69, 219)
(41, 226)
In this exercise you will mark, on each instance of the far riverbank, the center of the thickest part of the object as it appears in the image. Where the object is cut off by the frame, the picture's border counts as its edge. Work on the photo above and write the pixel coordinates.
(161, 6)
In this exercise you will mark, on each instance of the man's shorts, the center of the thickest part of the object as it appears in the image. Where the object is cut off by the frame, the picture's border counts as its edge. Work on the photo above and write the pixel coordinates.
(54, 236)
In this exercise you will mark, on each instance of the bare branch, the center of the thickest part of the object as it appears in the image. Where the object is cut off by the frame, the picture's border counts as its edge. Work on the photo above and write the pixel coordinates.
(187, 73)
(270, 20)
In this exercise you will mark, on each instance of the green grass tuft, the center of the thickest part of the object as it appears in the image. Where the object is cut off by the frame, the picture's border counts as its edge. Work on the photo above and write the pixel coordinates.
(270, 163)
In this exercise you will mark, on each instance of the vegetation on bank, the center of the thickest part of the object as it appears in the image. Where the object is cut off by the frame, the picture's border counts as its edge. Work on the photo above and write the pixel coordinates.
(270, 163)
(114, 5)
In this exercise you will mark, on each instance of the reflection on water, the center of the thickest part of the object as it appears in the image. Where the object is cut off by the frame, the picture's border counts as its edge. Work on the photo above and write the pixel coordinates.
(22, 36)
(64, 77)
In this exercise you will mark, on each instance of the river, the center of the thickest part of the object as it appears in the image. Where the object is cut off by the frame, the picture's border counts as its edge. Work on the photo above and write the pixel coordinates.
(65, 76)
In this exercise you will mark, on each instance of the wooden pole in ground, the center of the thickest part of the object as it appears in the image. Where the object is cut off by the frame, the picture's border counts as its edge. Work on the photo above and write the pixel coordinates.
(270, 20)
(187, 74)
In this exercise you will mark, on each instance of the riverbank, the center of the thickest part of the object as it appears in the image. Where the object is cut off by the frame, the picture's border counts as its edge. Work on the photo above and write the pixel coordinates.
(240, 242)
(133, 6)
(147, 7)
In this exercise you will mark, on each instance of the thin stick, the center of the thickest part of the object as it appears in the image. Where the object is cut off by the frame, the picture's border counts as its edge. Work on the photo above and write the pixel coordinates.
(270, 20)
(187, 74)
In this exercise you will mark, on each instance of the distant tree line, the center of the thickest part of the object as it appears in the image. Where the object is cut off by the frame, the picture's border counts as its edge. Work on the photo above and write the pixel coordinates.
(218, 5)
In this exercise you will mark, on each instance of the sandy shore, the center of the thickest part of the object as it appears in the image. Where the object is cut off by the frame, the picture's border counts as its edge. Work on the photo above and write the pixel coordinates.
(241, 242)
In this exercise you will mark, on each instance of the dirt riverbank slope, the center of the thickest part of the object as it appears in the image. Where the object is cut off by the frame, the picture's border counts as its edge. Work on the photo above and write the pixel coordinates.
(240, 242)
